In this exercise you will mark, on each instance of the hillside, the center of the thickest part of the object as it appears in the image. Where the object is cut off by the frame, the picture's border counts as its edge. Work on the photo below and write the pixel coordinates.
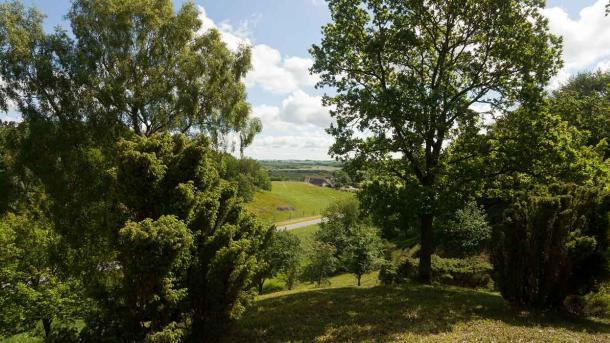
(411, 313)
(289, 200)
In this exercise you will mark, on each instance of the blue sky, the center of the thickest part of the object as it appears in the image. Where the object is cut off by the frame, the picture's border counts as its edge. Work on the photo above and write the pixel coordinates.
(281, 31)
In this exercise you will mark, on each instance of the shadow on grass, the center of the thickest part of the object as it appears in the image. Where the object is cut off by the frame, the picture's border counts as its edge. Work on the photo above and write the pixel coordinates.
(346, 314)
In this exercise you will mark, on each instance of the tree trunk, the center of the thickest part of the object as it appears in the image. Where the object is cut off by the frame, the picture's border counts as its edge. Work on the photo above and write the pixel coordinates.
(46, 324)
(359, 277)
(260, 286)
(427, 247)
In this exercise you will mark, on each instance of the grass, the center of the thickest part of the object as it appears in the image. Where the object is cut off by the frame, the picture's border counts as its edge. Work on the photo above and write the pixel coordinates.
(22, 338)
(410, 313)
(302, 199)
(306, 236)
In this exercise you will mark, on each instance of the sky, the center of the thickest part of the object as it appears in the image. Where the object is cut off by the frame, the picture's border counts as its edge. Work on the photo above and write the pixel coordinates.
(280, 89)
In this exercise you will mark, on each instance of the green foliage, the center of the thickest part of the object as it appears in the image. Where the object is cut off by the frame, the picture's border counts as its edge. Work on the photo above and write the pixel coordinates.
(342, 179)
(407, 74)
(247, 173)
(152, 254)
(468, 233)
(551, 244)
(364, 251)
(33, 290)
(391, 203)
(172, 333)
(175, 180)
(473, 272)
(281, 255)
(584, 103)
(340, 220)
(322, 263)
(357, 245)
(110, 71)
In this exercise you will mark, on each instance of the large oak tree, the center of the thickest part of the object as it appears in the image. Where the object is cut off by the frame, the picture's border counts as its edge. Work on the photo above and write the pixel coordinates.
(407, 75)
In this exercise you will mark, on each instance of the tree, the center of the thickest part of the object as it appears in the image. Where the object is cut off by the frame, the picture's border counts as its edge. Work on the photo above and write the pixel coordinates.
(468, 232)
(98, 105)
(342, 179)
(584, 102)
(364, 252)
(33, 289)
(341, 218)
(408, 73)
(322, 263)
(282, 255)
(112, 71)
(552, 242)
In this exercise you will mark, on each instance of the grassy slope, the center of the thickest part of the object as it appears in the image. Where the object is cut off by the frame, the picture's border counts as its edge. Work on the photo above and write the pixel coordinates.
(411, 313)
(307, 200)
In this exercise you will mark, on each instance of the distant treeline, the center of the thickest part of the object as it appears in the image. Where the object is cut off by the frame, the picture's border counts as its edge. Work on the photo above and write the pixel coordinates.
(289, 170)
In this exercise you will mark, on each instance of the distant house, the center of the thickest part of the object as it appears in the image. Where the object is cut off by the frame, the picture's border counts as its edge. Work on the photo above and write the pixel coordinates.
(320, 181)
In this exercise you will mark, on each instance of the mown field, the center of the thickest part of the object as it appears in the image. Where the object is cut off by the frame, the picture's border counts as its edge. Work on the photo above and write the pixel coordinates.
(289, 200)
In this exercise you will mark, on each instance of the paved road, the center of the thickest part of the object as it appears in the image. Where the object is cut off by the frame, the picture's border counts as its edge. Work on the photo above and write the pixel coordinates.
(298, 225)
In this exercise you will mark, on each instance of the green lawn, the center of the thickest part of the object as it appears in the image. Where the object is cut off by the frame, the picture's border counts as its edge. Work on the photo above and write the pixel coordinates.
(306, 236)
(298, 199)
(411, 313)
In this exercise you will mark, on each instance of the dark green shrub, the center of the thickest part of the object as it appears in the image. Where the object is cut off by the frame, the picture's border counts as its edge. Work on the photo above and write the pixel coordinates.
(473, 272)
(388, 273)
(468, 233)
(172, 333)
(551, 245)
(62, 335)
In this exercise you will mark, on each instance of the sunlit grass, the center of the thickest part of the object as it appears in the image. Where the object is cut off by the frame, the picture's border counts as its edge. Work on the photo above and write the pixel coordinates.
(303, 199)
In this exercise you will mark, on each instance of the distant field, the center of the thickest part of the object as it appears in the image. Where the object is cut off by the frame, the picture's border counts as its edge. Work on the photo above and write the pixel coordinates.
(289, 200)
(297, 170)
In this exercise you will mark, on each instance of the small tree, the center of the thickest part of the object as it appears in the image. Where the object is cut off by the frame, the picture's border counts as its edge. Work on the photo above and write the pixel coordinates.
(322, 263)
(282, 255)
(467, 232)
(364, 252)
(340, 218)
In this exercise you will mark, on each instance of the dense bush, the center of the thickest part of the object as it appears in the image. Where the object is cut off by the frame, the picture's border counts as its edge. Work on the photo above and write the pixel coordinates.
(186, 250)
(467, 233)
(551, 245)
(472, 272)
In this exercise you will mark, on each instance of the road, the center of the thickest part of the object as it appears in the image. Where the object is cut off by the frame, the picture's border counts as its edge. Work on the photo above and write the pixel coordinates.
(289, 227)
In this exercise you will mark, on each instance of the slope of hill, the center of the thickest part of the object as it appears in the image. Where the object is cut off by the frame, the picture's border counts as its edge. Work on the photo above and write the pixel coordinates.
(410, 313)
(289, 200)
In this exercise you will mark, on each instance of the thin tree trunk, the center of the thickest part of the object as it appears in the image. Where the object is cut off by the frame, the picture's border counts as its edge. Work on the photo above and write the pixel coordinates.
(359, 276)
(260, 286)
(46, 324)
(427, 247)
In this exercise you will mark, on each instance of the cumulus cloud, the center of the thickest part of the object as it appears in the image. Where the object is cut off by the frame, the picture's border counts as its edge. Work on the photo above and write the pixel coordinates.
(270, 70)
(312, 146)
(302, 108)
(586, 39)
(292, 129)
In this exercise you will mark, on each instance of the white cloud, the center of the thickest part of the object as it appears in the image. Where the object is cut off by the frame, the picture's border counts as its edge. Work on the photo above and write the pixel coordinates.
(312, 146)
(586, 40)
(276, 74)
(302, 108)
(270, 70)
(292, 129)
